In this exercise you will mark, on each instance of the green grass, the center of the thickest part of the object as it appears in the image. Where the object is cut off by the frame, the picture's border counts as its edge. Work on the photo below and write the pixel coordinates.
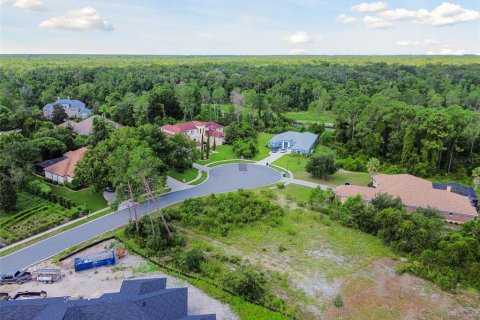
(94, 200)
(55, 232)
(297, 163)
(262, 141)
(224, 152)
(358, 178)
(202, 178)
(311, 116)
(185, 176)
(229, 161)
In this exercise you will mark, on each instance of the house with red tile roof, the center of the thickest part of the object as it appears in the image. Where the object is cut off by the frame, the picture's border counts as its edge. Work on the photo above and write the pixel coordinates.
(415, 193)
(64, 170)
(196, 129)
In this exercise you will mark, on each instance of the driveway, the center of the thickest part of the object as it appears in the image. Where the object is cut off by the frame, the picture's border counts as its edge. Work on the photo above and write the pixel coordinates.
(223, 178)
(272, 157)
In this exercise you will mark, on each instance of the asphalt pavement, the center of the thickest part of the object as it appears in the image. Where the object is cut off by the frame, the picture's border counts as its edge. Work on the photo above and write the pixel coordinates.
(223, 178)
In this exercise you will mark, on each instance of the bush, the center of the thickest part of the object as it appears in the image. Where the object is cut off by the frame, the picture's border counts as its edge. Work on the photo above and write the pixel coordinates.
(327, 138)
(338, 301)
(353, 164)
(190, 261)
(280, 185)
(247, 283)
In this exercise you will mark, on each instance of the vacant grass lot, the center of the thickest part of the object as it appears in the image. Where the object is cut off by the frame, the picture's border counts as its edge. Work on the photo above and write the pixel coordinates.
(185, 176)
(311, 116)
(94, 200)
(305, 258)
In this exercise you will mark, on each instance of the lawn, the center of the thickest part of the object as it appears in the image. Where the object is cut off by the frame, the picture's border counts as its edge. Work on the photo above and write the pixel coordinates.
(311, 116)
(263, 150)
(202, 178)
(224, 152)
(341, 177)
(296, 164)
(94, 200)
(185, 176)
(229, 161)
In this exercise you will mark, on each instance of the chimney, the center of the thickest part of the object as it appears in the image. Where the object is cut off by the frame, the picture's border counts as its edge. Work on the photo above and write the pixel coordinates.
(449, 188)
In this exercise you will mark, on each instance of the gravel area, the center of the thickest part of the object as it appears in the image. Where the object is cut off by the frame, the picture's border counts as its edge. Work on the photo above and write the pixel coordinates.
(95, 282)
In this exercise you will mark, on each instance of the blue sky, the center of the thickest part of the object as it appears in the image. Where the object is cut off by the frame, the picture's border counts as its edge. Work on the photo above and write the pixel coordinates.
(240, 27)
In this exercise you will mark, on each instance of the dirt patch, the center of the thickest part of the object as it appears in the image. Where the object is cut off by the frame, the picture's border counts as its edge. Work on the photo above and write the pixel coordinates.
(377, 292)
(95, 282)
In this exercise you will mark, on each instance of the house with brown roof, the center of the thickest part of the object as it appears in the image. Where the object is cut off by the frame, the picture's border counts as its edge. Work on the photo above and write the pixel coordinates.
(64, 170)
(415, 193)
(196, 129)
(85, 127)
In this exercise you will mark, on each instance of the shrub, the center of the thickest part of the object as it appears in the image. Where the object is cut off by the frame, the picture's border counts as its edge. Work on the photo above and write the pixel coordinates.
(247, 283)
(190, 261)
(338, 301)
(280, 185)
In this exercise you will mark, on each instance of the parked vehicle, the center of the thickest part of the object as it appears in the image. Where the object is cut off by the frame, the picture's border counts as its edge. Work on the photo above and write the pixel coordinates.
(4, 296)
(274, 150)
(283, 150)
(47, 275)
(18, 277)
(27, 294)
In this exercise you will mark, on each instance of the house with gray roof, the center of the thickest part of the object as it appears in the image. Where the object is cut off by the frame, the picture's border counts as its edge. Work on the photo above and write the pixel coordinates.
(85, 127)
(143, 299)
(298, 142)
(73, 108)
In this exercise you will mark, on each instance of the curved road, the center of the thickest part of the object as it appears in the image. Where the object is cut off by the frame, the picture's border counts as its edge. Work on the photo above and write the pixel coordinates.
(224, 178)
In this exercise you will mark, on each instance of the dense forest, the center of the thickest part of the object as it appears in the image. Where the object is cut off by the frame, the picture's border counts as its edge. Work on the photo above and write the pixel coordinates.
(419, 115)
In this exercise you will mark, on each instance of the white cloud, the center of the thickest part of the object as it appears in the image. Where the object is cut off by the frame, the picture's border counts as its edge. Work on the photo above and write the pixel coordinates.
(83, 19)
(36, 5)
(416, 43)
(376, 22)
(299, 37)
(444, 14)
(369, 7)
(346, 19)
(298, 51)
(446, 51)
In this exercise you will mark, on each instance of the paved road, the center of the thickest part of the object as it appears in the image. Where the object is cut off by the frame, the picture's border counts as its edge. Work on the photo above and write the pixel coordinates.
(222, 178)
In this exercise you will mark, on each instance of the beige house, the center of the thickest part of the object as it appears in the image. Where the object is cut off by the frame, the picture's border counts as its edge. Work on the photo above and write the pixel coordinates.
(64, 170)
(196, 129)
(415, 193)
(85, 127)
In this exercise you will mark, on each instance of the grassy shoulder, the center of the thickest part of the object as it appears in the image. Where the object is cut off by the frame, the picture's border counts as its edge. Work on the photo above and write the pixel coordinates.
(224, 152)
(203, 177)
(186, 176)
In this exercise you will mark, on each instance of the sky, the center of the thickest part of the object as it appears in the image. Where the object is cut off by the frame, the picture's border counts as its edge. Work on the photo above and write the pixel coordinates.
(245, 27)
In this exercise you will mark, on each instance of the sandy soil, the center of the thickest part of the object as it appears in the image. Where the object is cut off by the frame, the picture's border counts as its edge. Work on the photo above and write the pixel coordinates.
(376, 292)
(93, 283)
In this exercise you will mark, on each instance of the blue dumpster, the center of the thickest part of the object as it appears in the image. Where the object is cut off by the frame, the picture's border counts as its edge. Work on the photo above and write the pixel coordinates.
(106, 258)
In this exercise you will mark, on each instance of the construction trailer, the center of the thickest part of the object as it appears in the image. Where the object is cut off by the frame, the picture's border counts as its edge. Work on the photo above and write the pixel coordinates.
(106, 258)
(47, 275)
